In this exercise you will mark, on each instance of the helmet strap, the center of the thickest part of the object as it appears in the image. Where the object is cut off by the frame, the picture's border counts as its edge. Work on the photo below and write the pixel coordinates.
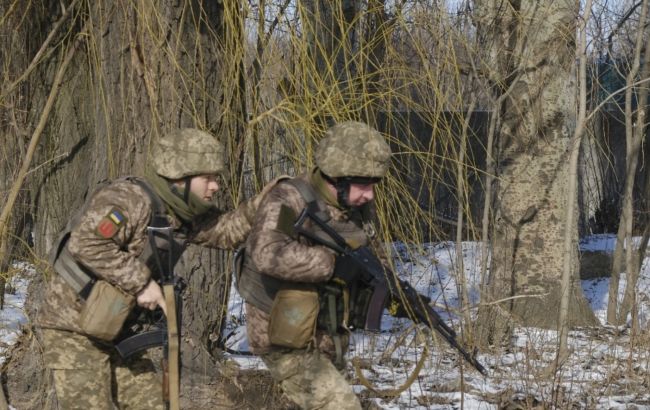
(343, 192)
(186, 191)
(342, 186)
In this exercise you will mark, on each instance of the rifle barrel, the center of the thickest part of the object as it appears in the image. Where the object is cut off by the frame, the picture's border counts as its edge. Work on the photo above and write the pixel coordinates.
(369, 262)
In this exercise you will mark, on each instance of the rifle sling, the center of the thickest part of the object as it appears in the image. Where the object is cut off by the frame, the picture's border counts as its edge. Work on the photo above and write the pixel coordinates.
(74, 274)
(173, 340)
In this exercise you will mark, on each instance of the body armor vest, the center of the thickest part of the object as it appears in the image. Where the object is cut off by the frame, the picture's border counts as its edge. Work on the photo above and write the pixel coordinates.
(260, 289)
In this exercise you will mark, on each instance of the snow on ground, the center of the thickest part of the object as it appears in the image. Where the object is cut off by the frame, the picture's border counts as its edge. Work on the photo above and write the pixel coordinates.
(12, 317)
(602, 372)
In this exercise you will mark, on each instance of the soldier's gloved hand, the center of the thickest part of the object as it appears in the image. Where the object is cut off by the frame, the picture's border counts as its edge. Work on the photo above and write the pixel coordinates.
(345, 269)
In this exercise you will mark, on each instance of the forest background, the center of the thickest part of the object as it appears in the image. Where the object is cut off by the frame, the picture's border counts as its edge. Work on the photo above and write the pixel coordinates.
(516, 124)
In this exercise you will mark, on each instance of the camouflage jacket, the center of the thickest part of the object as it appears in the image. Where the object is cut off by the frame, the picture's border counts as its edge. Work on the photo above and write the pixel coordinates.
(116, 259)
(275, 253)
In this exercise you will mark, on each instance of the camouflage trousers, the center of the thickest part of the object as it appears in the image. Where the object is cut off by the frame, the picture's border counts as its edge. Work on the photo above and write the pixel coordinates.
(311, 380)
(91, 376)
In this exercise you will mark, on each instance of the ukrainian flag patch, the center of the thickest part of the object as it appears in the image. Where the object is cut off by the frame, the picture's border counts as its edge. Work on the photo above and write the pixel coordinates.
(111, 223)
(116, 216)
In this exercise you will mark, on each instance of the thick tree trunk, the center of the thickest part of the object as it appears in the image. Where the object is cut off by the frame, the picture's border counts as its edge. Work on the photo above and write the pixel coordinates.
(537, 120)
(143, 69)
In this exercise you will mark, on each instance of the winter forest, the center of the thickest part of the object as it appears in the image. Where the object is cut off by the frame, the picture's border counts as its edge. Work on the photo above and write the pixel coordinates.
(518, 197)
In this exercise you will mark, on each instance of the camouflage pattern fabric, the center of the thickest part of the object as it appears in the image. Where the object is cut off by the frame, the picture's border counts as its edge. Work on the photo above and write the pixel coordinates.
(311, 380)
(273, 252)
(188, 152)
(257, 323)
(117, 258)
(90, 376)
(89, 373)
(352, 149)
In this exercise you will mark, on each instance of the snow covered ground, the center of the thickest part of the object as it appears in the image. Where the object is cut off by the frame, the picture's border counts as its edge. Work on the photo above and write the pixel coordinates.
(602, 372)
(12, 317)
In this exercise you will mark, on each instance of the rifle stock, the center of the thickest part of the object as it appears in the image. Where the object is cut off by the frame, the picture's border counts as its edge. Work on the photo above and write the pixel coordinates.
(374, 275)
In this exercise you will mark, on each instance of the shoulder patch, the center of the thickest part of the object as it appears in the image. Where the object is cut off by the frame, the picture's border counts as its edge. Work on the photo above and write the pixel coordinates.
(109, 225)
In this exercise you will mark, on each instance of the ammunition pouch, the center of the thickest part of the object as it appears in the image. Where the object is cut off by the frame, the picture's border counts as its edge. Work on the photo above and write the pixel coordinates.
(358, 305)
(105, 311)
(292, 307)
(334, 307)
(293, 317)
(105, 307)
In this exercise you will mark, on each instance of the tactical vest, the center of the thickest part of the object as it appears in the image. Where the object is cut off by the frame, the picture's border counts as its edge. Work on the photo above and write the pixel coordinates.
(260, 289)
(81, 278)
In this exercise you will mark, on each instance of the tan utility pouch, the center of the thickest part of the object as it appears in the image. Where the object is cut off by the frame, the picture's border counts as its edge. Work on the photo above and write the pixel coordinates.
(293, 317)
(105, 311)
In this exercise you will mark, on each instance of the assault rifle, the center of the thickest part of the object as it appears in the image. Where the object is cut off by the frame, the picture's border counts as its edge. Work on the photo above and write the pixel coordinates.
(386, 287)
(167, 333)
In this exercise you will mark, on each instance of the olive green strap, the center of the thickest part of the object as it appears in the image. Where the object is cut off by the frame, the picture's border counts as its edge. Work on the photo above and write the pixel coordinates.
(75, 275)
(332, 327)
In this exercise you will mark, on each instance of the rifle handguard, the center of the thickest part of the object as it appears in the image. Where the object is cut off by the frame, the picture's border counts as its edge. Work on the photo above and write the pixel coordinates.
(371, 268)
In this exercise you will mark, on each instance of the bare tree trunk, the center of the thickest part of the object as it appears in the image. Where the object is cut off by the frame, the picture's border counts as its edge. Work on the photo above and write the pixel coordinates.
(329, 68)
(536, 122)
(255, 89)
(634, 140)
(9, 202)
(461, 192)
(615, 277)
(379, 28)
(145, 68)
(568, 282)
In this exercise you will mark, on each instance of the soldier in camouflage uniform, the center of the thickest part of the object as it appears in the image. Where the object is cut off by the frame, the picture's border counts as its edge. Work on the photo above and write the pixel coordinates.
(350, 160)
(108, 238)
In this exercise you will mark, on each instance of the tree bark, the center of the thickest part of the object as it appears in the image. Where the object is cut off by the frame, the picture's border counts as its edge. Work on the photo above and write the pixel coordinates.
(537, 120)
(144, 68)
(635, 127)
(569, 276)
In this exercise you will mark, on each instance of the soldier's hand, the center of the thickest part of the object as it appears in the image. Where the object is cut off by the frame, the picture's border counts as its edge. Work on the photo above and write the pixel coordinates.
(151, 296)
(345, 269)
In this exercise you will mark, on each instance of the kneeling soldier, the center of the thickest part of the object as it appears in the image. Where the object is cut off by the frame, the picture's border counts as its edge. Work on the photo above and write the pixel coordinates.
(297, 325)
(106, 263)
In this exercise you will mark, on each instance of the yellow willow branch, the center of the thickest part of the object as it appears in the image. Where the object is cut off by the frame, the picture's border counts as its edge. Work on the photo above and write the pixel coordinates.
(37, 58)
(33, 143)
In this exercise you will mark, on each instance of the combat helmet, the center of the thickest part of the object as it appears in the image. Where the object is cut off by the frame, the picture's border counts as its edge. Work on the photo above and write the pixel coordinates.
(353, 149)
(187, 152)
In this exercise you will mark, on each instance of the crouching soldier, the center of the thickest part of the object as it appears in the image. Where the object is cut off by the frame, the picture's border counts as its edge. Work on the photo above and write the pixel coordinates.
(298, 327)
(107, 263)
